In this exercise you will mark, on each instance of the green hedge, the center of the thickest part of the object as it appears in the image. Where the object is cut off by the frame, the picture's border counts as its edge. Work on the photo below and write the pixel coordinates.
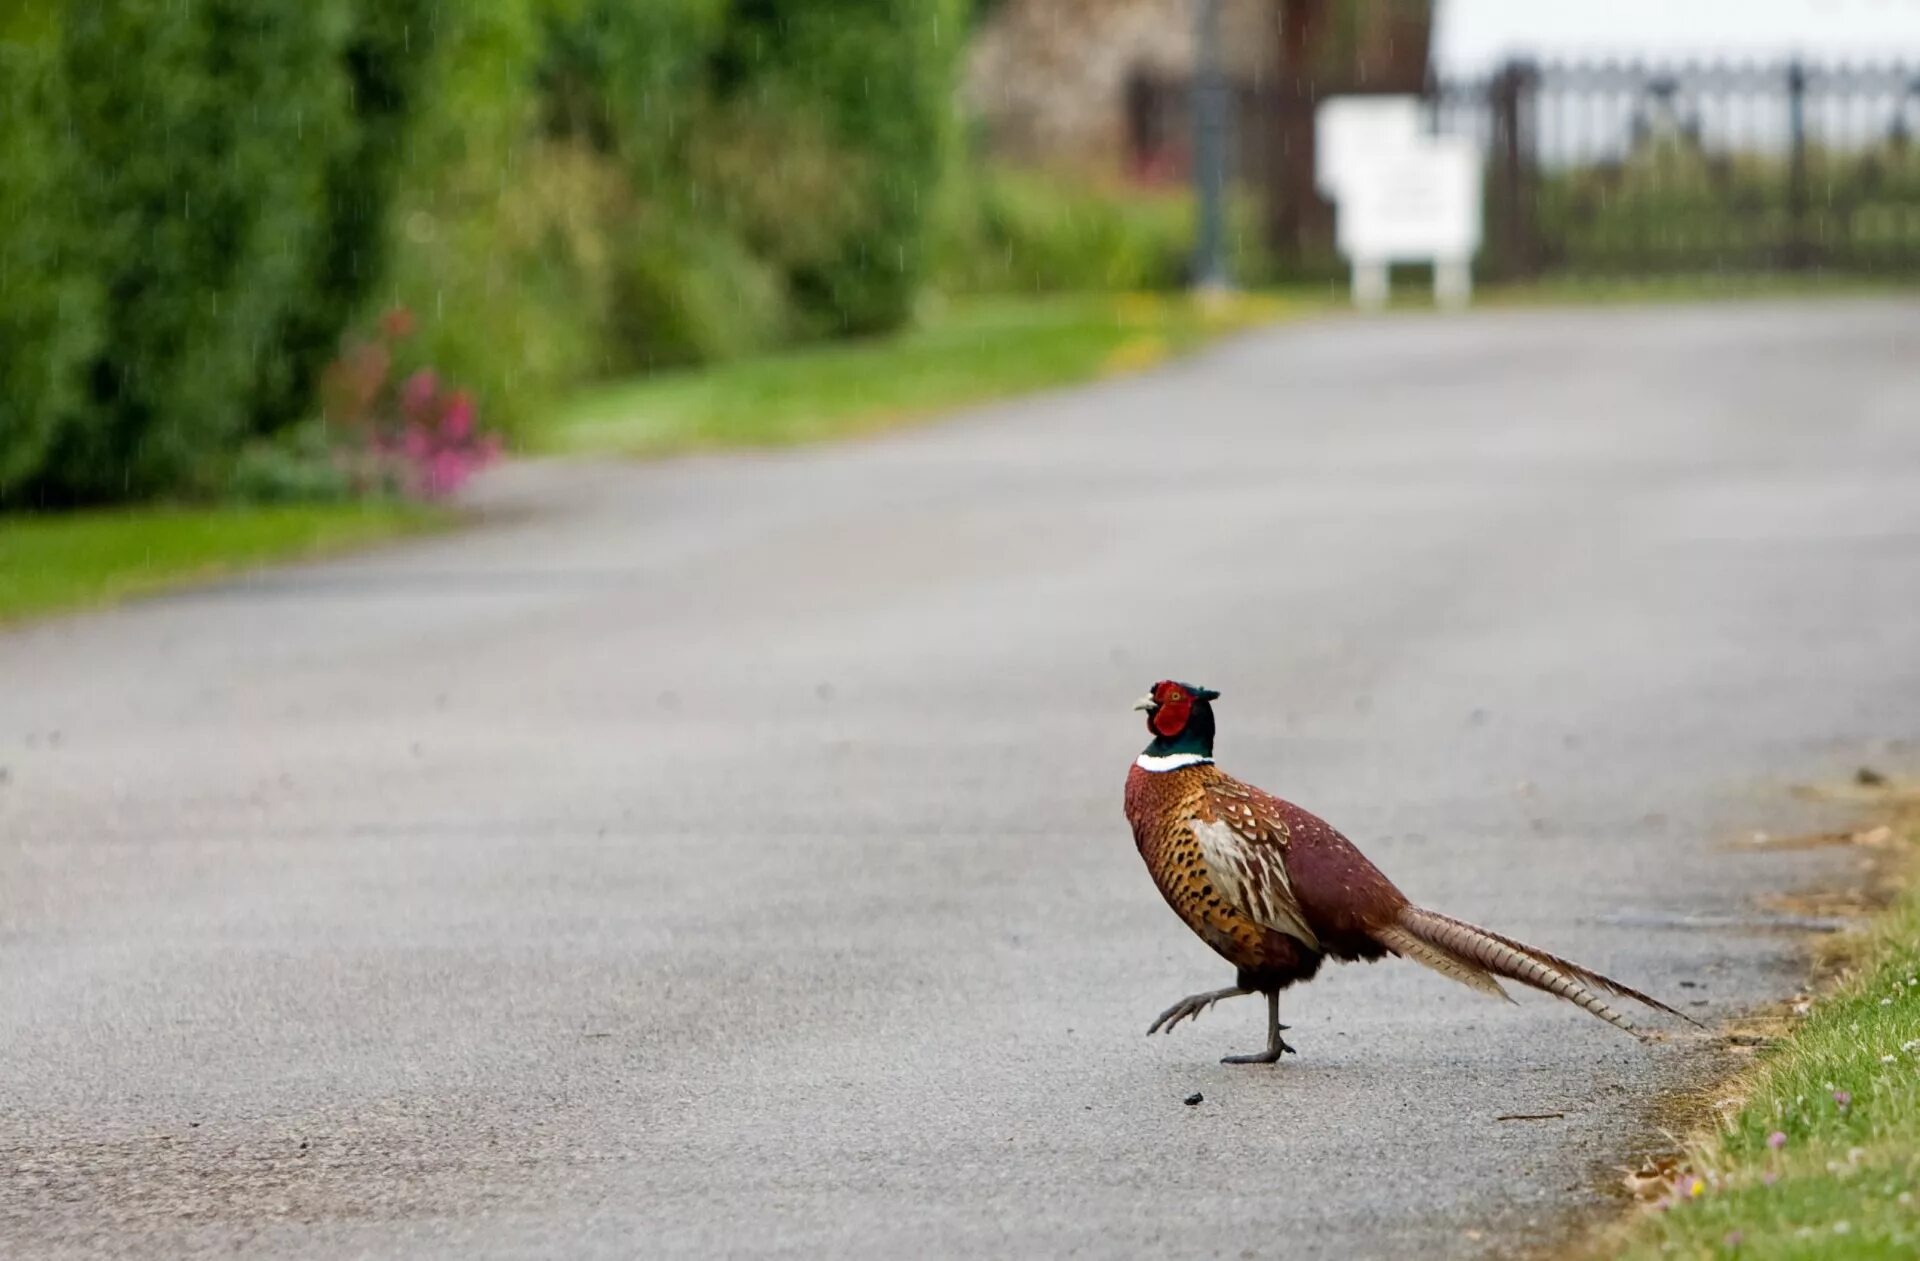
(1009, 231)
(49, 309)
(383, 57)
(879, 76)
(605, 188)
(198, 193)
(201, 197)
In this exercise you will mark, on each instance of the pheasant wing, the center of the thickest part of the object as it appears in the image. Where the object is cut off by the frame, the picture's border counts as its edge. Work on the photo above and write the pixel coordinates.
(1244, 845)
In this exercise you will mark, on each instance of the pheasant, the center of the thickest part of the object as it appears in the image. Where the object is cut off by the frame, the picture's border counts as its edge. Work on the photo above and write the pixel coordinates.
(1275, 890)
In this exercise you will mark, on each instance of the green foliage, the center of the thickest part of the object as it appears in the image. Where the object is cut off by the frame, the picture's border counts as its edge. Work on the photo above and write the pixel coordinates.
(49, 307)
(634, 186)
(972, 353)
(384, 57)
(70, 560)
(749, 165)
(1027, 233)
(536, 238)
(687, 295)
(1006, 231)
(296, 465)
(201, 198)
(197, 198)
(878, 75)
(1822, 1157)
(624, 77)
(497, 240)
(1691, 209)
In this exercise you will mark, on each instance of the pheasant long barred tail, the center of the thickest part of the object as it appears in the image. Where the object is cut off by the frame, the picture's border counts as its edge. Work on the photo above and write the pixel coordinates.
(1445, 962)
(1597, 980)
(1510, 959)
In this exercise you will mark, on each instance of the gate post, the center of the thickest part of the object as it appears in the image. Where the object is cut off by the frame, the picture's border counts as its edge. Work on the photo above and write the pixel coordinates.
(1799, 251)
(1210, 123)
(1515, 251)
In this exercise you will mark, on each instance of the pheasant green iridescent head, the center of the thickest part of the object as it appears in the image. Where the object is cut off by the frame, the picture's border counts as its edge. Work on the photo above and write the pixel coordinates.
(1180, 716)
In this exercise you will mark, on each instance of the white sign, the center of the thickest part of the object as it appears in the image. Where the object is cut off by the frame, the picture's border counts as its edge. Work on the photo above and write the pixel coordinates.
(1350, 132)
(1400, 196)
(1413, 206)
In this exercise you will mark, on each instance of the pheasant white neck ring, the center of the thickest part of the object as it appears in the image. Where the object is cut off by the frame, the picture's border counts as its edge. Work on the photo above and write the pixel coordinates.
(1171, 761)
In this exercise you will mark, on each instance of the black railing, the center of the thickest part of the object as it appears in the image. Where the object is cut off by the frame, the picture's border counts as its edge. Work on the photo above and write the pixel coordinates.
(1626, 169)
(1623, 169)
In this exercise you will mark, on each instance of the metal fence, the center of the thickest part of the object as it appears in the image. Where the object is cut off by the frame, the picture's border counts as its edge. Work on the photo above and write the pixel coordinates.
(1613, 168)
(1627, 169)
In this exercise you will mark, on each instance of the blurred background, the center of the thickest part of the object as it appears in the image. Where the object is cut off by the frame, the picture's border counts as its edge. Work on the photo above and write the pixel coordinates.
(345, 251)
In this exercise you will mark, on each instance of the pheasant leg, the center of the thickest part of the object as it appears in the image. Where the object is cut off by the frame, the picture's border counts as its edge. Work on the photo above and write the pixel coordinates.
(1189, 1007)
(1276, 1045)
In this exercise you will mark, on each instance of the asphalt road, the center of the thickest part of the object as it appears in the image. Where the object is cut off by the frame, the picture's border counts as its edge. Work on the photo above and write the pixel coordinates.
(725, 856)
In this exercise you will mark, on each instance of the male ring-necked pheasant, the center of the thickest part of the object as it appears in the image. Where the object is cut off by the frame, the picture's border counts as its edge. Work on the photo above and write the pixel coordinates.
(1275, 890)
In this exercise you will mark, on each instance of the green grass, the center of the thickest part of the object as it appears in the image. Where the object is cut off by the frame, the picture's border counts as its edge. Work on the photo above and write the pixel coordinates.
(977, 352)
(1687, 287)
(1842, 1179)
(84, 559)
(987, 349)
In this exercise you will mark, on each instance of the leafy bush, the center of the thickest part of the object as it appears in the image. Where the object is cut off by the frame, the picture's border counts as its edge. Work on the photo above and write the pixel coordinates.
(499, 242)
(749, 166)
(626, 78)
(878, 76)
(199, 195)
(410, 435)
(384, 57)
(1025, 232)
(383, 431)
(297, 465)
(687, 295)
(201, 198)
(49, 306)
(1671, 205)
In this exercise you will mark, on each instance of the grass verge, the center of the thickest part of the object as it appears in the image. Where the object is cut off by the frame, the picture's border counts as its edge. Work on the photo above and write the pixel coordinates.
(1687, 287)
(1822, 1156)
(981, 350)
(85, 559)
(977, 352)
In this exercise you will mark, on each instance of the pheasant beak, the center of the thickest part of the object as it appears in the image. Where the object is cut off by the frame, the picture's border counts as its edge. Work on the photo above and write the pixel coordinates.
(1146, 702)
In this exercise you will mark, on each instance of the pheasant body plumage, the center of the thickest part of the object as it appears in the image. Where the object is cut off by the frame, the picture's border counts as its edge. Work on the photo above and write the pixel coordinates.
(1276, 890)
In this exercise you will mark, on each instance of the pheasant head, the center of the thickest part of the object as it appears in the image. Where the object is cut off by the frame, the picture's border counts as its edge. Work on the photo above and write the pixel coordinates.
(1180, 719)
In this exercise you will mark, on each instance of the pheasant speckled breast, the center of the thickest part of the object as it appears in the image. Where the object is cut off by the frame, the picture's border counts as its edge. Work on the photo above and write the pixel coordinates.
(1170, 812)
(1275, 890)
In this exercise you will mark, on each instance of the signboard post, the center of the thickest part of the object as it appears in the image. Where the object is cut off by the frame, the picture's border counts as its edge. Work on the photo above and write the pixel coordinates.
(1400, 196)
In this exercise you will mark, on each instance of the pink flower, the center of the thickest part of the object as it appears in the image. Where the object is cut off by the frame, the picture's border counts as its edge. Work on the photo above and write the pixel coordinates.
(444, 474)
(457, 421)
(416, 442)
(417, 395)
(397, 323)
(1776, 1140)
(1844, 1098)
(1769, 1177)
(1735, 1239)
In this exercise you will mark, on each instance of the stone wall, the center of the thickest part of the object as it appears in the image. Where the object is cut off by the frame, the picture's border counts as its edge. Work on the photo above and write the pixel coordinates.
(1047, 79)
